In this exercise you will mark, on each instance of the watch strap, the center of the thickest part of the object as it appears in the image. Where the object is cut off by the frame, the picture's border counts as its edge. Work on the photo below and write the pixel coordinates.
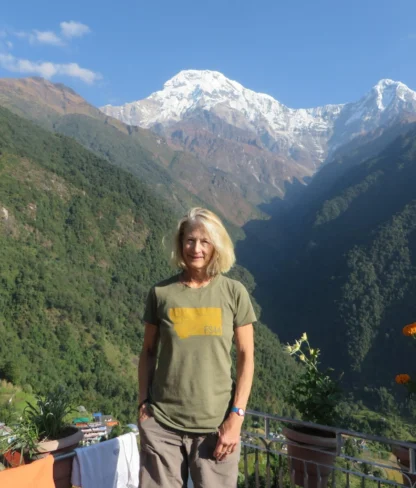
(238, 411)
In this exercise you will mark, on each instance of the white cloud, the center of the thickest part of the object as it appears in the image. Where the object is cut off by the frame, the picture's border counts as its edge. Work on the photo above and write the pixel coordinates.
(45, 37)
(69, 30)
(40, 37)
(47, 69)
(5, 44)
(74, 70)
(74, 29)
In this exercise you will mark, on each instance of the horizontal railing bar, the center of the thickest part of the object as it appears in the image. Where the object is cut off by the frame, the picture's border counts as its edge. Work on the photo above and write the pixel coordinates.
(335, 430)
(312, 448)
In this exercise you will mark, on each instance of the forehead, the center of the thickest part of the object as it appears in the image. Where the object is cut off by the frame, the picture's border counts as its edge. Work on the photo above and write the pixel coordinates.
(196, 229)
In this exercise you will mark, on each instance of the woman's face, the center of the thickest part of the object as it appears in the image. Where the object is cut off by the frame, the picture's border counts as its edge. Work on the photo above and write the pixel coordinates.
(197, 248)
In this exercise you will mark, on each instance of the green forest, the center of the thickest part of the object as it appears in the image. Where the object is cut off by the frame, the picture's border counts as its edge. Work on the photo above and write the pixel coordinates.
(81, 243)
(84, 238)
(344, 259)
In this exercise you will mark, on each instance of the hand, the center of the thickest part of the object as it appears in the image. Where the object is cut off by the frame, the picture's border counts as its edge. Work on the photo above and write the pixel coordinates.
(144, 413)
(228, 436)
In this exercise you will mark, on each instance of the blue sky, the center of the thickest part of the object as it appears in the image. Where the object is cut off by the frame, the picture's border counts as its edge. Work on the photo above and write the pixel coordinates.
(304, 53)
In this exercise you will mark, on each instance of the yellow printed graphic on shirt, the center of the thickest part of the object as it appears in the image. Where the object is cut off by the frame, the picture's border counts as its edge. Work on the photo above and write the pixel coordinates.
(188, 322)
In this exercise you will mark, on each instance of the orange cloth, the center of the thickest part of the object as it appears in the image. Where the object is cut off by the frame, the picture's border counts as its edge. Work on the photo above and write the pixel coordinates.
(38, 474)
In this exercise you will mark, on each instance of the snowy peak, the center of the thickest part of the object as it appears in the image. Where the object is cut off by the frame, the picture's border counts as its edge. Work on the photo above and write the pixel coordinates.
(193, 90)
(301, 135)
(386, 101)
(207, 81)
(388, 92)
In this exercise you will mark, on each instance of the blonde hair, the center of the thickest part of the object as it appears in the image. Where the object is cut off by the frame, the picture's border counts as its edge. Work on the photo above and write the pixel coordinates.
(223, 257)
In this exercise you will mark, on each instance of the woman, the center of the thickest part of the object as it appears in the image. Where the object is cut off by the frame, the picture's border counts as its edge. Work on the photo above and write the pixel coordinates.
(190, 414)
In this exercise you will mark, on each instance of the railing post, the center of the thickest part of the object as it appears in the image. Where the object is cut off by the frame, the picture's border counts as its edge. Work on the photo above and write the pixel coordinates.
(412, 467)
(256, 469)
(268, 467)
(267, 427)
(280, 472)
(339, 443)
(245, 468)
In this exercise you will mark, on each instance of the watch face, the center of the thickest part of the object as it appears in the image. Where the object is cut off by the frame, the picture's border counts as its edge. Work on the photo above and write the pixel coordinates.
(241, 412)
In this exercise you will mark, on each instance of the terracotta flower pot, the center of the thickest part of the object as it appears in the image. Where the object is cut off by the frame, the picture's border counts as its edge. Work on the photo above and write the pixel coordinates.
(304, 459)
(59, 446)
(402, 455)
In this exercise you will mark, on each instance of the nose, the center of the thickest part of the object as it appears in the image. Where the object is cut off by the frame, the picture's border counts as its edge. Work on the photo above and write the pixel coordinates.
(197, 246)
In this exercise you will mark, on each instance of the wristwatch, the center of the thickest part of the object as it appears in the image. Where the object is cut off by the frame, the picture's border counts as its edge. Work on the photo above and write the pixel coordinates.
(239, 411)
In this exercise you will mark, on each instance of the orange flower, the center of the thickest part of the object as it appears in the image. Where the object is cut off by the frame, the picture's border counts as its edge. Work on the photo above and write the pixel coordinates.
(410, 329)
(402, 379)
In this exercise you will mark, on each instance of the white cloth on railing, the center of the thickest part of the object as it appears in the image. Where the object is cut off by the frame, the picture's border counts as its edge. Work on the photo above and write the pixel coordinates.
(109, 464)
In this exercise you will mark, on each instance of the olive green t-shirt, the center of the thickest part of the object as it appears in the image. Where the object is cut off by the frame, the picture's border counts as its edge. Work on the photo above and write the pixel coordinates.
(192, 386)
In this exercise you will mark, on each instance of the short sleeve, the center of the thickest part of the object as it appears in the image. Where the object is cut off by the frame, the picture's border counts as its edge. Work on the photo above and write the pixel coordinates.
(243, 313)
(150, 312)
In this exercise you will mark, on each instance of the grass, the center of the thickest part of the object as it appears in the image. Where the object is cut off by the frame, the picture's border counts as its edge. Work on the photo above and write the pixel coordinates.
(16, 394)
(20, 399)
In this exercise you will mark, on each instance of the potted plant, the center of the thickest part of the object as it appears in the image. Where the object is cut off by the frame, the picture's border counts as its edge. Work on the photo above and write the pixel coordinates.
(42, 429)
(315, 395)
(402, 453)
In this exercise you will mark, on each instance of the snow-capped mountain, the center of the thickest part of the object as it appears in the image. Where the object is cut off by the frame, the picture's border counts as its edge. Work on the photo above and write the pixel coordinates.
(205, 112)
(386, 103)
(209, 90)
(194, 91)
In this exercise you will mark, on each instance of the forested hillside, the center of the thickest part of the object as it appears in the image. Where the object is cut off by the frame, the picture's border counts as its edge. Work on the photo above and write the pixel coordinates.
(80, 245)
(175, 176)
(343, 267)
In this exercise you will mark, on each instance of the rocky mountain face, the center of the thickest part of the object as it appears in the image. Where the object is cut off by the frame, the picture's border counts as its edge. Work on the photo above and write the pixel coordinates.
(172, 172)
(257, 139)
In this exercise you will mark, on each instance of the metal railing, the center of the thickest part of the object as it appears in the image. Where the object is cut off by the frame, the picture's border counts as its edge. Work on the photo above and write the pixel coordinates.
(356, 460)
(272, 460)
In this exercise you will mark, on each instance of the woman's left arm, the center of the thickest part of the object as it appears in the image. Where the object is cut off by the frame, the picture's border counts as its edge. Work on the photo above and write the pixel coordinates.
(230, 430)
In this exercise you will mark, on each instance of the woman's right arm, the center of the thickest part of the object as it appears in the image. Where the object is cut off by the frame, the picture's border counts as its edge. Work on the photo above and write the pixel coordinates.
(147, 364)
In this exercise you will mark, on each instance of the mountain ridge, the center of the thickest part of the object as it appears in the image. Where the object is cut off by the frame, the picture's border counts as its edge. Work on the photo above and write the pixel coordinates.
(192, 90)
(170, 171)
(259, 141)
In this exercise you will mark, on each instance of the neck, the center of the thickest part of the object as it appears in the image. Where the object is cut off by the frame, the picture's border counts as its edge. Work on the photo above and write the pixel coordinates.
(197, 276)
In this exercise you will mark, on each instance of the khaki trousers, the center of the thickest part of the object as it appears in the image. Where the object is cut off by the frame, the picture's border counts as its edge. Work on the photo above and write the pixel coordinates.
(168, 455)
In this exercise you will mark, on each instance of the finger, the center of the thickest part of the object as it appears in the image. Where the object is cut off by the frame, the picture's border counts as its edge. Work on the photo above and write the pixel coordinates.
(223, 456)
(143, 417)
(227, 449)
(218, 448)
(231, 448)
